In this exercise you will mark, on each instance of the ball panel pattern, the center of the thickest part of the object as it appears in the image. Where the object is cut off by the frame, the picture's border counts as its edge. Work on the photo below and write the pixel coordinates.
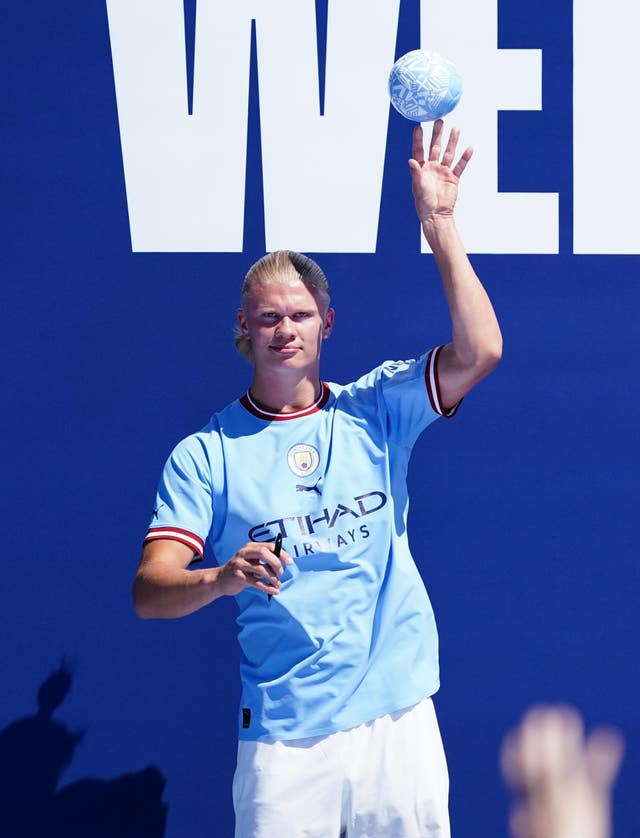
(424, 86)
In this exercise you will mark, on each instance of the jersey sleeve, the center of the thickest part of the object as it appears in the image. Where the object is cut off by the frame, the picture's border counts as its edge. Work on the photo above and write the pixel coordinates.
(411, 394)
(183, 509)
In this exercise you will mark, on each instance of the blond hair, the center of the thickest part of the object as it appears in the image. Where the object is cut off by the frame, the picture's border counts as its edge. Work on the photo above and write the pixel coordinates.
(283, 267)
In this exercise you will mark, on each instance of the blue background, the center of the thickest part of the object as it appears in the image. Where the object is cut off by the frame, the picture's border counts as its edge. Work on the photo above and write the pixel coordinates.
(524, 507)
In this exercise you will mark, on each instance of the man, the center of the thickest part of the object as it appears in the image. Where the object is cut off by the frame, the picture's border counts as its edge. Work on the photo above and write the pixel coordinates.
(337, 730)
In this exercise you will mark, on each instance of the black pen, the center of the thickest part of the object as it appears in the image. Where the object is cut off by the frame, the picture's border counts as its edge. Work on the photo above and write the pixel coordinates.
(277, 547)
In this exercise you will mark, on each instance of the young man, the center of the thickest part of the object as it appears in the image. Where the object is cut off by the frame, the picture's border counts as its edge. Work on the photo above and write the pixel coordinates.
(337, 731)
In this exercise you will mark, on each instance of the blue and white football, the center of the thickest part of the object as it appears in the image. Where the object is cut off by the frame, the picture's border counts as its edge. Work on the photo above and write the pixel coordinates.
(424, 86)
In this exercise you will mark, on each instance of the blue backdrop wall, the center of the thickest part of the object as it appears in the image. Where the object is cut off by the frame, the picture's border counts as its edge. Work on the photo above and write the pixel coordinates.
(524, 510)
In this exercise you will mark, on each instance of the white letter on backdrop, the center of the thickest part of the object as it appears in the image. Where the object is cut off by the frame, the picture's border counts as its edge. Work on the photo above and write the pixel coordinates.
(323, 174)
(493, 79)
(185, 175)
(606, 127)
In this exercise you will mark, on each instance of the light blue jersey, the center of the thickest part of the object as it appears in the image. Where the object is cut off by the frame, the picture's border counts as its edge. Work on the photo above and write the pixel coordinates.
(351, 635)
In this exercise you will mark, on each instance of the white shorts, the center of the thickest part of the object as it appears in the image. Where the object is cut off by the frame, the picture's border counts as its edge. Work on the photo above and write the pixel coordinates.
(384, 779)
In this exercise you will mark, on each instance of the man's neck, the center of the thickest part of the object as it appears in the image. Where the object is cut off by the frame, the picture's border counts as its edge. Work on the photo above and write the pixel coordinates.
(285, 394)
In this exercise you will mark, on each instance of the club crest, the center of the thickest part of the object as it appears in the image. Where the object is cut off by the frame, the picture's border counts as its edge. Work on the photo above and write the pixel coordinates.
(303, 459)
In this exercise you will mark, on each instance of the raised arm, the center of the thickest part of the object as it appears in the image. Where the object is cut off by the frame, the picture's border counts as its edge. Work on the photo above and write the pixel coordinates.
(476, 345)
(165, 587)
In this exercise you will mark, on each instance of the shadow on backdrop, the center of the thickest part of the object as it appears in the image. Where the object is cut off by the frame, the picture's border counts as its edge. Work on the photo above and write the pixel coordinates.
(35, 751)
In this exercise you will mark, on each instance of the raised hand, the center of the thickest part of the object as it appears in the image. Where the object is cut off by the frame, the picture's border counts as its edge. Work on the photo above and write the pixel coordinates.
(562, 776)
(434, 181)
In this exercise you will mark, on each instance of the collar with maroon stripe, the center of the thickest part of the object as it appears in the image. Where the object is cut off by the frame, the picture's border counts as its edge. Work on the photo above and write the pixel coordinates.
(247, 402)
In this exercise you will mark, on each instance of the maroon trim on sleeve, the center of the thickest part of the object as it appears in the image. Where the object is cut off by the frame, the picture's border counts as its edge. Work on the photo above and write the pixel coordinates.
(433, 385)
(177, 534)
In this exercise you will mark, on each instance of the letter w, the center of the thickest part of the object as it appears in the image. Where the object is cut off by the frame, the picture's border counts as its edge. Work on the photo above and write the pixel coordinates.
(185, 174)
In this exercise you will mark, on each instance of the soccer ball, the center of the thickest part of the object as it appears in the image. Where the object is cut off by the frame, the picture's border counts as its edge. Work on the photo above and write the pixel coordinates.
(424, 86)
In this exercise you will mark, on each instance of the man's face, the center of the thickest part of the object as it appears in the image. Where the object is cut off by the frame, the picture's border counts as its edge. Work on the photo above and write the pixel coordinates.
(285, 324)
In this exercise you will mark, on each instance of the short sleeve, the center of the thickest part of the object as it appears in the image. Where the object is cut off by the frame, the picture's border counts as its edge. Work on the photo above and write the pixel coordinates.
(183, 509)
(411, 394)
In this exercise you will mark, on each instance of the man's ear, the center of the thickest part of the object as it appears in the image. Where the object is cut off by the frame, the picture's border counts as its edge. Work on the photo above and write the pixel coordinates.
(328, 323)
(242, 322)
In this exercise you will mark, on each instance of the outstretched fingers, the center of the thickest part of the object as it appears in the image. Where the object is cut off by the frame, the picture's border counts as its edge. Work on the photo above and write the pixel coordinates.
(461, 165)
(417, 145)
(436, 140)
(435, 148)
(450, 150)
